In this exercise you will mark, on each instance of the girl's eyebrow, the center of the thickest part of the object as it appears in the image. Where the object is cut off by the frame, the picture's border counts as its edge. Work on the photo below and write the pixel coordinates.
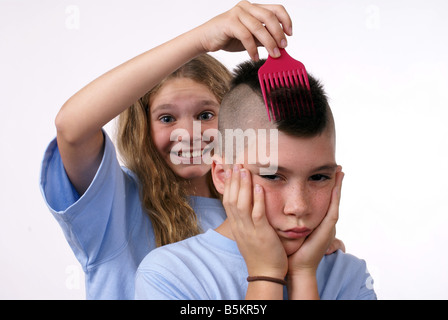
(210, 103)
(163, 107)
(200, 104)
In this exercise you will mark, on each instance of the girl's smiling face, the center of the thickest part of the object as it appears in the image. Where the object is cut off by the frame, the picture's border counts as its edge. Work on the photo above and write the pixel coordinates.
(177, 104)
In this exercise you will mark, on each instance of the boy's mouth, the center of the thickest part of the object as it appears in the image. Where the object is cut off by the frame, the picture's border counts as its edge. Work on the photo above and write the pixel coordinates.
(296, 233)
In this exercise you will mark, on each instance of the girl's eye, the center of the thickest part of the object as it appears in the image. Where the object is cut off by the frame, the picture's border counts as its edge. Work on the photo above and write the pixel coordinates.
(319, 177)
(166, 119)
(206, 116)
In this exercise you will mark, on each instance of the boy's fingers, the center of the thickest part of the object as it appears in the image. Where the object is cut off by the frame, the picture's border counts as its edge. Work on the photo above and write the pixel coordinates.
(244, 205)
(259, 211)
(239, 200)
(226, 196)
(234, 186)
(328, 224)
(333, 211)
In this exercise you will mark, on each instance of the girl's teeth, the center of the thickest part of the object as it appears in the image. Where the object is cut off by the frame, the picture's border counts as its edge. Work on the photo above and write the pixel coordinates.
(193, 154)
(197, 154)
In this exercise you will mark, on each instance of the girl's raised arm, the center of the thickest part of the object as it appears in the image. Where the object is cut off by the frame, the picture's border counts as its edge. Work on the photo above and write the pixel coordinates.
(79, 122)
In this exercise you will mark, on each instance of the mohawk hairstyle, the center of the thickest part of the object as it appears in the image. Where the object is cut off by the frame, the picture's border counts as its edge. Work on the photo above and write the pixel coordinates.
(293, 123)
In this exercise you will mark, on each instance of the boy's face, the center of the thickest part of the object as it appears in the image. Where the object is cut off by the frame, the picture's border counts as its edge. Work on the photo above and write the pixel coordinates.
(298, 195)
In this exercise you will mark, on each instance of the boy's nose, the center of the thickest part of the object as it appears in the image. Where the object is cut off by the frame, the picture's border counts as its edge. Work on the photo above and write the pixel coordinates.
(296, 201)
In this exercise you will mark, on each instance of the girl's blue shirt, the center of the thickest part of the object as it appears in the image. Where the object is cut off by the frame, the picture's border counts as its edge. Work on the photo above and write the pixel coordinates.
(106, 227)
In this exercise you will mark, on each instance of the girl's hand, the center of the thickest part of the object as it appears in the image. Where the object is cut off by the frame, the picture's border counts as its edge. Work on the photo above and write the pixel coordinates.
(257, 241)
(247, 26)
(336, 245)
(307, 258)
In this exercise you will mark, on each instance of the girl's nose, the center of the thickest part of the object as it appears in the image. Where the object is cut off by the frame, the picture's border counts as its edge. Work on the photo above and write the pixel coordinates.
(193, 128)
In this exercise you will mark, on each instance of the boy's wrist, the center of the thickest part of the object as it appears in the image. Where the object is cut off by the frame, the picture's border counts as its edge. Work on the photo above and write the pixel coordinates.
(299, 274)
(272, 273)
(280, 281)
(302, 285)
(264, 290)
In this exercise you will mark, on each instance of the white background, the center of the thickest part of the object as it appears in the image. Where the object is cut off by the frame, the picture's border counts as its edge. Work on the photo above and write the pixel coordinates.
(384, 65)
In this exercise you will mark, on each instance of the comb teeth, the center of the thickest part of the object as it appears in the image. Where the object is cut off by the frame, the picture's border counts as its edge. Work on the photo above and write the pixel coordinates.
(290, 75)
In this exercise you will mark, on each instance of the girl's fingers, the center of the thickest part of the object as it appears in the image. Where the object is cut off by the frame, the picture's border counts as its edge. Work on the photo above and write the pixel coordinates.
(247, 26)
(336, 245)
(265, 23)
(282, 16)
(260, 32)
(245, 36)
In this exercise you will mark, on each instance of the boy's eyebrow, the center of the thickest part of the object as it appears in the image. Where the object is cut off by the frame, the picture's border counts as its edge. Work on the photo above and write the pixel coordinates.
(329, 167)
(202, 103)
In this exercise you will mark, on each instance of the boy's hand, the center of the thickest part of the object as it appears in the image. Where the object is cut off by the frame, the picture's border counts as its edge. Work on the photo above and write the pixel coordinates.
(302, 282)
(246, 26)
(307, 258)
(257, 241)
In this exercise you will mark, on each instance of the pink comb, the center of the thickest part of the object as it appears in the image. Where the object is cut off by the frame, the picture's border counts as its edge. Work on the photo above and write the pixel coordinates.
(285, 72)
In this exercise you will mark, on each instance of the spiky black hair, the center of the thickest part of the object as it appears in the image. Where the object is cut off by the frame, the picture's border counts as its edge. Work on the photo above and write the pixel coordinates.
(293, 123)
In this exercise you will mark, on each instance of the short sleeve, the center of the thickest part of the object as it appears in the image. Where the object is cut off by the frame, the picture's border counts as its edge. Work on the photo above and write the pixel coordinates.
(97, 224)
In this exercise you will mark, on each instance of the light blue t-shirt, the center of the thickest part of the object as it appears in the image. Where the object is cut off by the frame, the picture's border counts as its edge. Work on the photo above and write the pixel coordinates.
(107, 228)
(210, 267)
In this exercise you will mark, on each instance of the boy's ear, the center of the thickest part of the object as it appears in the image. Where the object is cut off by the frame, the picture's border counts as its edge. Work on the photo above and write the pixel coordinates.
(218, 173)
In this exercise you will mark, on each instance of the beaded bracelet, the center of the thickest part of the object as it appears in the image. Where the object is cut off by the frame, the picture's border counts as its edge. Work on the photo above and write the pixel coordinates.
(262, 278)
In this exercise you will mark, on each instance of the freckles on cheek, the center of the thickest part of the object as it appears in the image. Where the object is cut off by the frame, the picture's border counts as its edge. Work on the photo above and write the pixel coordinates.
(322, 203)
(273, 204)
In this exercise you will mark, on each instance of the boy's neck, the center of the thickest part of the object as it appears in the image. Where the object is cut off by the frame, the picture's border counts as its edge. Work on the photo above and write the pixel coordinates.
(199, 187)
(225, 230)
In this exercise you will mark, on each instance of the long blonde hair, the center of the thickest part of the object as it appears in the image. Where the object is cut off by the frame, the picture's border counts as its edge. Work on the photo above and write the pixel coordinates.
(163, 194)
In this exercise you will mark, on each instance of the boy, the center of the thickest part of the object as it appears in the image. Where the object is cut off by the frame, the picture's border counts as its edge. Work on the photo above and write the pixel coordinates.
(279, 222)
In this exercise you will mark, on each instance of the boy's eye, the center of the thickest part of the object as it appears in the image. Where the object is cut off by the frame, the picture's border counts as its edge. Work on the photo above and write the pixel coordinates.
(166, 119)
(271, 177)
(206, 116)
(319, 177)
